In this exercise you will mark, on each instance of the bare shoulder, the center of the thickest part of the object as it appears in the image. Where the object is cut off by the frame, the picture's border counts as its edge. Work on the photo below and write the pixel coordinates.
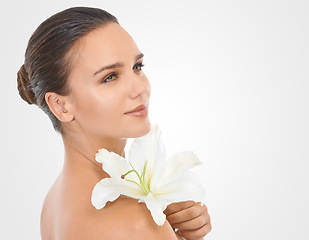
(125, 218)
(66, 207)
(68, 214)
(48, 213)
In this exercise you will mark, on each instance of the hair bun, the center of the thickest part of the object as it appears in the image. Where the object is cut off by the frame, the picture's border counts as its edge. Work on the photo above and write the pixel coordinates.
(23, 86)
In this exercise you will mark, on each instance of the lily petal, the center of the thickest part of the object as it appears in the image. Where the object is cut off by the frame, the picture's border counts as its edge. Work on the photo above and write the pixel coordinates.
(182, 191)
(109, 189)
(156, 208)
(112, 163)
(181, 162)
(173, 170)
(186, 187)
(149, 148)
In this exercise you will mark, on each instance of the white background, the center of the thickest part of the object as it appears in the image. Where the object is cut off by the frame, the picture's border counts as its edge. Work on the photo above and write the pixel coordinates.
(229, 81)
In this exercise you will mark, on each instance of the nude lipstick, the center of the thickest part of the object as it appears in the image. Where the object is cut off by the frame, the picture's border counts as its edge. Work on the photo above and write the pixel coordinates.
(139, 111)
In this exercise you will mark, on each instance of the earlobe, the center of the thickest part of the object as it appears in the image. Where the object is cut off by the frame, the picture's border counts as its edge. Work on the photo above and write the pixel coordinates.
(58, 105)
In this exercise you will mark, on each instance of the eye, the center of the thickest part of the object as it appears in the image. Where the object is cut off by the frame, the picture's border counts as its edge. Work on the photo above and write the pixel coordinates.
(138, 67)
(110, 78)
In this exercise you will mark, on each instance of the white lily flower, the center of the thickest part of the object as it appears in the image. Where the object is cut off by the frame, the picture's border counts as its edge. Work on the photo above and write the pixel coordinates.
(147, 176)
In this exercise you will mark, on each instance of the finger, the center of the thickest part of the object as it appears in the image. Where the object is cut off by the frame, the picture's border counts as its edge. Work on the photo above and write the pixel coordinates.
(176, 207)
(184, 215)
(195, 234)
(193, 224)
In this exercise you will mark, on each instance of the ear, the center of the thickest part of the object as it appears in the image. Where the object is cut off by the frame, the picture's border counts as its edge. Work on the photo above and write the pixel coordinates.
(59, 106)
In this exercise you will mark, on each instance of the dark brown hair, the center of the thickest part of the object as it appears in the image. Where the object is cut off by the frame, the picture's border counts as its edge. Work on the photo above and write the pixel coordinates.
(47, 64)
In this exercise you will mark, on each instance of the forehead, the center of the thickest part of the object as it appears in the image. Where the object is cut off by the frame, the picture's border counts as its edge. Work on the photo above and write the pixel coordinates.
(105, 45)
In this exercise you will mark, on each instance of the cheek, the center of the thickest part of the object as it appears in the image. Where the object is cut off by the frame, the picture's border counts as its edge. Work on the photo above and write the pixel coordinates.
(99, 112)
(149, 87)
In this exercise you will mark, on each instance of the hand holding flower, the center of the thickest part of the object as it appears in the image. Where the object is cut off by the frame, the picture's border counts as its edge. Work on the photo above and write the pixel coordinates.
(191, 219)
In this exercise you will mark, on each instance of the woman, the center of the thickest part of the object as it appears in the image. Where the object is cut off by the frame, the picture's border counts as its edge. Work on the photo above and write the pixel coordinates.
(85, 71)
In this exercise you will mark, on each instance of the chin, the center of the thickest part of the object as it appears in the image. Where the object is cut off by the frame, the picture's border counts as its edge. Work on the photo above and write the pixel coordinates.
(139, 130)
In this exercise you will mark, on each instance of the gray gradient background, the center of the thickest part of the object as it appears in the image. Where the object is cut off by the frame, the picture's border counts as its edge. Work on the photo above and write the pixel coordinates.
(229, 81)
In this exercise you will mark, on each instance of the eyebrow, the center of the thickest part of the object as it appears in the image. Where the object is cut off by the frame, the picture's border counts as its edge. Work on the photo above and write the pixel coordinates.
(116, 65)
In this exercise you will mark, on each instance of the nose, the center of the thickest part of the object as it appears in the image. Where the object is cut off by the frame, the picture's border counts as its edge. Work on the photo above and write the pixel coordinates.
(139, 86)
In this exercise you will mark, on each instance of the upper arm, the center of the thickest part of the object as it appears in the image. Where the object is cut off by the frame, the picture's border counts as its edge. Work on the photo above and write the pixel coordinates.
(146, 228)
(127, 219)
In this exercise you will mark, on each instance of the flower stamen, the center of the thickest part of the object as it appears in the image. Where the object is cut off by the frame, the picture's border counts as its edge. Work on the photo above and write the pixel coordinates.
(142, 184)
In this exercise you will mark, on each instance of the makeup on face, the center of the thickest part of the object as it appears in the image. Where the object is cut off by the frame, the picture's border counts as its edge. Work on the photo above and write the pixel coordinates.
(111, 91)
(140, 111)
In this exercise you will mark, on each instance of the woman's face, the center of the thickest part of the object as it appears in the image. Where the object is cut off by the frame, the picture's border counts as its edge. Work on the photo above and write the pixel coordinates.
(107, 82)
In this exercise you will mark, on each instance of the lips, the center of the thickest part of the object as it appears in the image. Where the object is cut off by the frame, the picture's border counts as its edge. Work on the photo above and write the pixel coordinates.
(138, 108)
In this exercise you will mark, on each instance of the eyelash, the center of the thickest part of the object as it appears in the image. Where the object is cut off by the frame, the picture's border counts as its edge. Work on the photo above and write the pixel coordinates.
(141, 65)
(107, 78)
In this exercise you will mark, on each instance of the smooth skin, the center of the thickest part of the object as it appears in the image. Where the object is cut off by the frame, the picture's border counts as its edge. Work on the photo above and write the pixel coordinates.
(106, 82)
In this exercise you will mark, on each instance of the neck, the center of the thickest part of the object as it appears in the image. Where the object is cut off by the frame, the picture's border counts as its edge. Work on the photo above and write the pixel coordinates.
(81, 150)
